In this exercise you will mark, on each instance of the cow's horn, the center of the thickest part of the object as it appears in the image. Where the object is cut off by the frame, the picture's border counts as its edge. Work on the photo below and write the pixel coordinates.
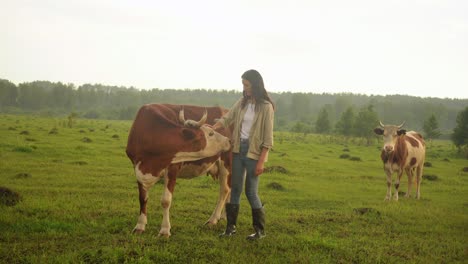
(382, 125)
(401, 124)
(203, 119)
(182, 116)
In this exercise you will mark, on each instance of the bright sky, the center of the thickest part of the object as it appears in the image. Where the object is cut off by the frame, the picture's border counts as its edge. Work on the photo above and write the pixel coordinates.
(379, 47)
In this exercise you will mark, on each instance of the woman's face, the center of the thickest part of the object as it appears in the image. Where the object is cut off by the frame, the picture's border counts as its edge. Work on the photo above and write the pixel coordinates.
(247, 87)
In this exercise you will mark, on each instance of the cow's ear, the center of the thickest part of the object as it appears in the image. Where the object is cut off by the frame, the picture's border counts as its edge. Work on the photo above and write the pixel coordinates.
(188, 134)
(378, 131)
(401, 132)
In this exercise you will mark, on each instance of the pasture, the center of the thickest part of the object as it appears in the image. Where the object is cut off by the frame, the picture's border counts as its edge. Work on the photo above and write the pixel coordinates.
(78, 203)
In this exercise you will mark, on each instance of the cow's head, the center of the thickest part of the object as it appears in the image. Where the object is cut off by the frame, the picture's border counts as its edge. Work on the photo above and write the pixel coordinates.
(201, 139)
(390, 135)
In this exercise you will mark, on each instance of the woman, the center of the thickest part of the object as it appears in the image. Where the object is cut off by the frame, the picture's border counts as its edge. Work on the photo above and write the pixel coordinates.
(252, 119)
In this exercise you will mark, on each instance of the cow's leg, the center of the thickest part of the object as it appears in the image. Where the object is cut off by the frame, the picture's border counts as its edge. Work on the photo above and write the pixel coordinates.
(224, 191)
(166, 199)
(419, 172)
(389, 185)
(145, 182)
(397, 184)
(409, 173)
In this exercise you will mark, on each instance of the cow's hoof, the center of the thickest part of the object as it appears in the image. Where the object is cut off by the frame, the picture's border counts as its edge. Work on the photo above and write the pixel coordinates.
(164, 235)
(138, 231)
(165, 232)
(210, 223)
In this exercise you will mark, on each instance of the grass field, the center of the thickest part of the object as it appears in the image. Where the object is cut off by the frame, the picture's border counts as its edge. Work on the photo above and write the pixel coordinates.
(79, 203)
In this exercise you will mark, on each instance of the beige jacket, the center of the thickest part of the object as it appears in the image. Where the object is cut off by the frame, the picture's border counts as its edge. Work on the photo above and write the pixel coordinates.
(261, 133)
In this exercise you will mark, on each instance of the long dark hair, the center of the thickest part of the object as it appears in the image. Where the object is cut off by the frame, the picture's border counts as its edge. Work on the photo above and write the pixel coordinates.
(259, 92)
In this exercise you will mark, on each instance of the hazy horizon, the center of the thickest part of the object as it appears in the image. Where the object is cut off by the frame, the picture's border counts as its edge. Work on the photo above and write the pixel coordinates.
(370, 47)
(240, 90)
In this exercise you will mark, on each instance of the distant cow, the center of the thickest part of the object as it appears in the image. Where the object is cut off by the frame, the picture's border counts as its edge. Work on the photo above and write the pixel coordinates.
(162, 144)
(402, 151)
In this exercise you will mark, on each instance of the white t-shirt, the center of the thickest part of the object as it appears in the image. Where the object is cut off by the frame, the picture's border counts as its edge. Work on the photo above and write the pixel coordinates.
(247, 121)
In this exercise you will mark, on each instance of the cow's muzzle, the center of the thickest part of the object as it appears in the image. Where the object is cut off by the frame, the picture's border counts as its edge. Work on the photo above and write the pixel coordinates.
(388, 149)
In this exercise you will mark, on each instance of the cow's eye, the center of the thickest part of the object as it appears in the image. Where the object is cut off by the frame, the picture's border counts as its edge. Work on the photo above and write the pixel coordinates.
(211, 134)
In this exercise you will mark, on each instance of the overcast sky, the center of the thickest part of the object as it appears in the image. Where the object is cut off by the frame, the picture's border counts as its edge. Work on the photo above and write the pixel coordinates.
(408, 47)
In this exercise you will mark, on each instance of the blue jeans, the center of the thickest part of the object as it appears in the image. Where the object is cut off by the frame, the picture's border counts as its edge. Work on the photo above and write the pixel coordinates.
(244, 168)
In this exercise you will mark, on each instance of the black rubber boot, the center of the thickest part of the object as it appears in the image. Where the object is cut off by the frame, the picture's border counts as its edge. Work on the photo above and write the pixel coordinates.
(258, 219)
(232, 210)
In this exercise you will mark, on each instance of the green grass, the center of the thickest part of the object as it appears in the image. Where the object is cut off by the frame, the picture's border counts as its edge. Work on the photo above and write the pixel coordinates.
(79, 203)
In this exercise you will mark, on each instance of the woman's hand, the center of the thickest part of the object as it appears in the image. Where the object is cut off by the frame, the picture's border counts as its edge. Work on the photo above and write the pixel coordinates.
(216, 126)
(260, 162)
(259, 168)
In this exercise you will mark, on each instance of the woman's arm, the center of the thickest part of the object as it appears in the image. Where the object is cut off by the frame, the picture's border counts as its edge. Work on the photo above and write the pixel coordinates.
(268, 127)
(267, 139)
(228, 118)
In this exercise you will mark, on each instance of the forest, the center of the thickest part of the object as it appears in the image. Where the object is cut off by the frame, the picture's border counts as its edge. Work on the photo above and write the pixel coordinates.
(297, 112)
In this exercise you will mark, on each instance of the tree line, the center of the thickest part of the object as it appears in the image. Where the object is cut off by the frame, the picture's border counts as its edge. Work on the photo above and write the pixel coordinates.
(344, 113)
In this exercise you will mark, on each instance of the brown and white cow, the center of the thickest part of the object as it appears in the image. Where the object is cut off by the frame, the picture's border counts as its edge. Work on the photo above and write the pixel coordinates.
(402, 152)
(162, 144)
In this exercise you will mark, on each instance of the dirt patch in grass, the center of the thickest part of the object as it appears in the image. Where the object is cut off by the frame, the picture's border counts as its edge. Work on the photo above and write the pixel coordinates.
(24, 149)
(23, 175)
(430, 177)
(9, 197)
(53, 131)
(366, 210)
(276, 186)
(276, 169)
(81, 163)
(344, 156)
